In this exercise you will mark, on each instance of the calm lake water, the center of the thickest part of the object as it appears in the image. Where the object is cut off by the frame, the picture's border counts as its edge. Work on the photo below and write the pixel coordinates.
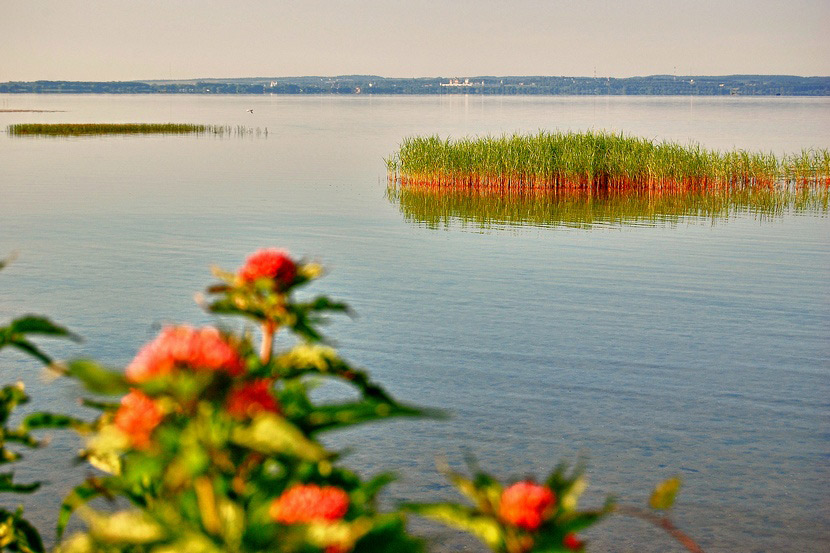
(687, 345)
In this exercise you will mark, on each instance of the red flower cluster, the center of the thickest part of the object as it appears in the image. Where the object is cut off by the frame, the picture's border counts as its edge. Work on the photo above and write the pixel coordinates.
(269, 263)
(251, 398)
(195, 348)
(572, 542)
(525, 504)
(305, 503)
(137, 417)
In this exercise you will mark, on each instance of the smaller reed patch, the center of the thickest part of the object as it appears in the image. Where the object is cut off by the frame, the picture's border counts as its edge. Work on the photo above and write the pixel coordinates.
(91, 129)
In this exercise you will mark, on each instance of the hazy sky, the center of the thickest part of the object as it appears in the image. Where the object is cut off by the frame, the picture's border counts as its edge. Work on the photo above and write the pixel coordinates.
(149, 39)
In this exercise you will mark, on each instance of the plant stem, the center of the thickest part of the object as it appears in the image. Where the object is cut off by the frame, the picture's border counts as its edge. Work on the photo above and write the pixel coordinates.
(661, 522)
(268, 330)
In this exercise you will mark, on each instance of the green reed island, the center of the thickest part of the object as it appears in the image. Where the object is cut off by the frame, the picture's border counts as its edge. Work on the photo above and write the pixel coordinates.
(88, 129)
(594, 159)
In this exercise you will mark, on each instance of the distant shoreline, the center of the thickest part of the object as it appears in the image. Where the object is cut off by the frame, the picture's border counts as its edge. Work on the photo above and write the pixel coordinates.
(654, 85)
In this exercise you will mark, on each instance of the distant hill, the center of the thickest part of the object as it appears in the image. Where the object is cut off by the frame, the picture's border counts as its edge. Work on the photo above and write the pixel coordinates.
(657, 85)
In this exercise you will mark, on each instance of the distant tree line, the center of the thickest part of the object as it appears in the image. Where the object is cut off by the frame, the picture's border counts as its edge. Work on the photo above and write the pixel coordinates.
(660, 85)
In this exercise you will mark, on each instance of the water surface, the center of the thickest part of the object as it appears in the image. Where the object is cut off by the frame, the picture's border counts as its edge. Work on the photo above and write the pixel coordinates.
(697, 346)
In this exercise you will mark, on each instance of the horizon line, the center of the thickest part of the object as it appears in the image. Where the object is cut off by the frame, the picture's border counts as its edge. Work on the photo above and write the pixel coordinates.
(455, 76)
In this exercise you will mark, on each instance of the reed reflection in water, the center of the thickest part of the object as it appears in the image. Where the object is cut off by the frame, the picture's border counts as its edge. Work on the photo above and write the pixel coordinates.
(443, 206)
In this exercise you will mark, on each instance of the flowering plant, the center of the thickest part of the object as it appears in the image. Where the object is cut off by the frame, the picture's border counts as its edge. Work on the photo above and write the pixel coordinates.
(215, 443)
(211, 444)
(524, 517)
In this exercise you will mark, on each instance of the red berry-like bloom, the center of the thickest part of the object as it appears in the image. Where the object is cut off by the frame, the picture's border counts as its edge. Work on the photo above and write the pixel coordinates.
(185, 346)
(252, 398)
(269, 263)
(305, 503)
(137, 417)
(572, 542)
(525, 504)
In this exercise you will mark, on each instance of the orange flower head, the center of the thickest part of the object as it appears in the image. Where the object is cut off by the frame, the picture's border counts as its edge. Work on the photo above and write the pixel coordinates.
(572, 542)
(251, 398)
(269, 263)
(526, 505)
(306, 503)
(137, 417)
(185, 346)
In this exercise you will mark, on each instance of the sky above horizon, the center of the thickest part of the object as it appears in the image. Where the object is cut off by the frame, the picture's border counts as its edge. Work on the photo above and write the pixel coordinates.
(103, 40)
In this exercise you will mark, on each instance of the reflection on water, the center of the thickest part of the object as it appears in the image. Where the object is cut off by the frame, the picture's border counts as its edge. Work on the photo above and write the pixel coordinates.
(435, 206)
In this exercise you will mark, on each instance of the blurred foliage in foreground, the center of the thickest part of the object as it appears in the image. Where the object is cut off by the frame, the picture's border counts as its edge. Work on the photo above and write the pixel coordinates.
(212, 444)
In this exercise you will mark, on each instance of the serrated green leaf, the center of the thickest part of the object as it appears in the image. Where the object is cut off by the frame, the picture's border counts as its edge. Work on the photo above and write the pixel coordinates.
(665, 493)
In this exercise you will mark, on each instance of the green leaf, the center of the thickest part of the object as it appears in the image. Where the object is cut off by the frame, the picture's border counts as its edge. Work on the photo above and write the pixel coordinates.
(4, 262)
(664, 494)
(568, 485)
(124, 527)
(388, 535)
(577, 522)
(310, 314)
(323, 304)
(483, 490)
(100, 405)
(98, 379)
(227, 307)
(371, 488)
(27, 347)
(21, 437)
(10, 397)
(37, 421)
(33, 324)
(7, 484)
(306, 359)
(330, 417)
(82, 494)
(271, 434)
(485, 528)
(18, 534)
(14, 335)
(190, 542)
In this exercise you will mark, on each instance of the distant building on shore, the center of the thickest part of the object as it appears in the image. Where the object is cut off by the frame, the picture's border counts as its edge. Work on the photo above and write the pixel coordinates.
(456, 82)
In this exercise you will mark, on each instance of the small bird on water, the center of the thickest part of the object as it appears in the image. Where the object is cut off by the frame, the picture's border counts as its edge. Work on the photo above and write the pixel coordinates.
(250, 111)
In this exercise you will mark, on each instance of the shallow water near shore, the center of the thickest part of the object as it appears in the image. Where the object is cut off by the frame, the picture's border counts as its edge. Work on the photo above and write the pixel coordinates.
(693, 345)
